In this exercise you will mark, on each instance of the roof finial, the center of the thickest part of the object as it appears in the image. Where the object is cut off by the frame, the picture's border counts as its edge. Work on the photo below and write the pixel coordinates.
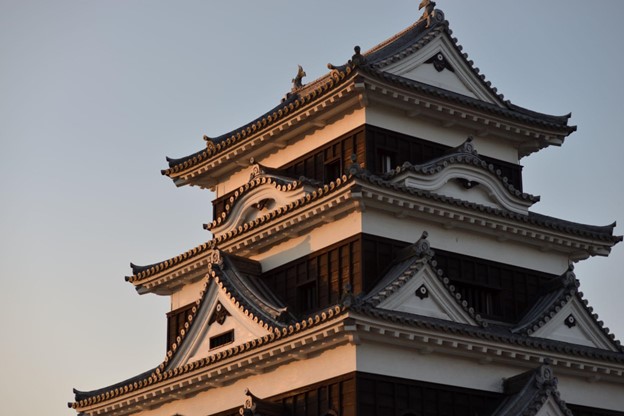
(429, 12)
(297, 79)
(357, 58)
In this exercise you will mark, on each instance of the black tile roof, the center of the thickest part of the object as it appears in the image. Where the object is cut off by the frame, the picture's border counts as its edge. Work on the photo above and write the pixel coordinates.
(600, 233)
(409, 261)
(239, 277)
(464, 154)
(529, 391)
(562, 291)
(372, 63)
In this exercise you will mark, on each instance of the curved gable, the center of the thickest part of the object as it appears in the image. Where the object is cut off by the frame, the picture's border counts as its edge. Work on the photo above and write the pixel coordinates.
(463, 175)
(262, 194)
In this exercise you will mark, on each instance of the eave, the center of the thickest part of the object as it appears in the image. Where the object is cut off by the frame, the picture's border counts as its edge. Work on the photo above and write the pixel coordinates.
(355, 327)
(357, 193)
(299, 220)
(318, 110)
(324, 331)
(416, 100)
(165, 277)
(499, 224)
(485, 345)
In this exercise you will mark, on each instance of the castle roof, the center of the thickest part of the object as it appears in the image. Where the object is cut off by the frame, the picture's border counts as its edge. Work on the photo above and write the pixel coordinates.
(378, 66)
(237, 279)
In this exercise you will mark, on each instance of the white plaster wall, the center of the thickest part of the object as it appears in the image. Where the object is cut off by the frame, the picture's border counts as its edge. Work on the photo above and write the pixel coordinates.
(427, 74)
(186, 294)
(478, 195)
(464, 242)
(244, 329)
(331, 363)
(299, 147)
(584, 392)
(316, 239)
(431, 130)
(395, 361)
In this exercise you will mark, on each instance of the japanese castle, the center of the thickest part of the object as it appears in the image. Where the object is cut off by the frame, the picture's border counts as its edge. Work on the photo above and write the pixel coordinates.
(374, 253)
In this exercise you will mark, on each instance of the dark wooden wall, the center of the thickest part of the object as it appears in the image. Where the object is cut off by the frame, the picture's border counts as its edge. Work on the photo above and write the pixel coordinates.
(175, 321)
(497, 291)
(370, 144)
(318, 279)
(388, 396)
(403, 148)
(330, 161)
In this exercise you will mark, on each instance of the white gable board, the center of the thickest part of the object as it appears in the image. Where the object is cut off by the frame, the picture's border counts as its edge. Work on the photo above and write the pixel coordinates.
(258, 202)
(581, 329)
(196, 345)
(425, 295)
(487, 189)
(550, 408)
(461, 80)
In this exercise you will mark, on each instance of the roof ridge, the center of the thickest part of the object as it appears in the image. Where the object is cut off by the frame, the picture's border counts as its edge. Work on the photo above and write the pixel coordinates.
(147, 271)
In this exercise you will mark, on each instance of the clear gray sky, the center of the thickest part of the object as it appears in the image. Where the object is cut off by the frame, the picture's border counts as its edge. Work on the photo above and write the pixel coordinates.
(94, 95)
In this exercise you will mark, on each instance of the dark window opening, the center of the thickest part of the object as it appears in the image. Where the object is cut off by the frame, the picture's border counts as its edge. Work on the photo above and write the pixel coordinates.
(222, 339)
(306, 297)
(415, 150)
(386, 160)
(485, 300)
(332, 170)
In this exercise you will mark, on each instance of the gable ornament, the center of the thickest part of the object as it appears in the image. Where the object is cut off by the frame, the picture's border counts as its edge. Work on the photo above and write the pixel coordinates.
(297, 80)
(429, 11)
(218, 315)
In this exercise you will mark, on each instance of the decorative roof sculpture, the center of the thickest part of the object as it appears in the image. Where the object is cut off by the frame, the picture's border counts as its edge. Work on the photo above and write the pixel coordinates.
(297, 79)
(429, 11)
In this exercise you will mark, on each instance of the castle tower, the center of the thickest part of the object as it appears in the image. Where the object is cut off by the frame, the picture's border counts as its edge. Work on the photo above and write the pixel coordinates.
(374, 253)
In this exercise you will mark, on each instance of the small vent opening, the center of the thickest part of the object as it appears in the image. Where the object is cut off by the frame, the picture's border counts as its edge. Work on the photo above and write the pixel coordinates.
(222, 339)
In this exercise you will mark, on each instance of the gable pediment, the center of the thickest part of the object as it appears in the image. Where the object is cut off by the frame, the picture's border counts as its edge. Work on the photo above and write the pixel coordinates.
(218, 324)
(263, 194)
(438, 63)
(574, 324)
(424, 294)
(550, 407)
(463, 175)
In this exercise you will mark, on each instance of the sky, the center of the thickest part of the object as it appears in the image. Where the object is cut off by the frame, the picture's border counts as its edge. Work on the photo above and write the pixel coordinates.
(95, 94)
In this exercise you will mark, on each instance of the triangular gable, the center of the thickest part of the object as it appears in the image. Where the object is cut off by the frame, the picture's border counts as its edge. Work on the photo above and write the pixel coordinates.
(218, 324)
(551, 408)
(424, 294)
(413, 285)
(574, 324)
(233, 308)
(438, 63)
(561, 314)
(533, 393)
